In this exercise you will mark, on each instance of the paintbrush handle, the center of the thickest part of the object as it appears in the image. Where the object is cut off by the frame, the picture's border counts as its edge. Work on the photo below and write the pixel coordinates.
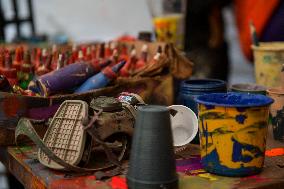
(253, 33)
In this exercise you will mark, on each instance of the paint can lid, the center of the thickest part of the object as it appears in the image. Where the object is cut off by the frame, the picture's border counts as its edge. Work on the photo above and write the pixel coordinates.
(184, 124)
(248, 87)
(203, 85)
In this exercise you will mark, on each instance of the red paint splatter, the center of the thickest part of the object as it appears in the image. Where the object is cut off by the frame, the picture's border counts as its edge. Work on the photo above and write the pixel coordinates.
(274, 152)
(255, 179)
(92, 177)
(118, 183)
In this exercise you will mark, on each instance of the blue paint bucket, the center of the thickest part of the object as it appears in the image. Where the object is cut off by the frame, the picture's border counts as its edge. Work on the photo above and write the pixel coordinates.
(193, 88)
(233, 130)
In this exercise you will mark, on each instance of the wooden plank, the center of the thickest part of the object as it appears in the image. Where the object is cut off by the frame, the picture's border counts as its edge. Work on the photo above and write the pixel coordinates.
(34, 175)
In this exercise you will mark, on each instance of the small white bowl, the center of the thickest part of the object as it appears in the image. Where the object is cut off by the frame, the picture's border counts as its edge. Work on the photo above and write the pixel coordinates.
(184, 124)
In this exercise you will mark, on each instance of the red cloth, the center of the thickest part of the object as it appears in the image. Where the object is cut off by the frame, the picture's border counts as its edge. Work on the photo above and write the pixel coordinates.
(257, 11)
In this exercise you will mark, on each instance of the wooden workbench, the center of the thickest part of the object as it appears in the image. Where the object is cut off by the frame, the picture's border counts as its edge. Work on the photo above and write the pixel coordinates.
(33, 175)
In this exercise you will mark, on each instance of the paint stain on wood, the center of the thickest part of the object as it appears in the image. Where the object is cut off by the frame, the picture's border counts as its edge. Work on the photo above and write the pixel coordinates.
(88, 182)
(208, 176)
(35, 183)
(274, 152)
(196, 182)
(118, 183)
(10, 106)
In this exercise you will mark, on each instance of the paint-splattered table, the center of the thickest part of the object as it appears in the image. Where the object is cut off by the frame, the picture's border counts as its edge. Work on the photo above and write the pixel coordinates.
(35, 176)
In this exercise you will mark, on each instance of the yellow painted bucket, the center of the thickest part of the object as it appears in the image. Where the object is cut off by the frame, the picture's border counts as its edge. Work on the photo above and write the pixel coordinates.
(232, 131)
(268, 60)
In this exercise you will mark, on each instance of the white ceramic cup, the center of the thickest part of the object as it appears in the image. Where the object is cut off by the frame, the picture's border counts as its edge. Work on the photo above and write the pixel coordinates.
(184, 124)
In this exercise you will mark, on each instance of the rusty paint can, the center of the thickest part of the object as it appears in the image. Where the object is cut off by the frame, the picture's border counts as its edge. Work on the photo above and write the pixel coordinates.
(277, 112)
(268, 60)
(233, 129)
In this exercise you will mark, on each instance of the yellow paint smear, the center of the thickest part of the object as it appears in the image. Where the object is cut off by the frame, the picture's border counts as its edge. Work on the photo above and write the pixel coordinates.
(208, 176)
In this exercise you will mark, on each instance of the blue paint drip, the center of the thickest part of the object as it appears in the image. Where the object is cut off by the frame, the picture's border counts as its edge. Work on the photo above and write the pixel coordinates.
(209, 107)
(238, 147)
(241, 109)
(241, 118)
(204, 132)
(211, 163)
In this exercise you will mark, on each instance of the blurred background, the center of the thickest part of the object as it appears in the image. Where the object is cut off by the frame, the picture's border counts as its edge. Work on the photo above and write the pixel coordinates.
(91, 20)
(209, 33)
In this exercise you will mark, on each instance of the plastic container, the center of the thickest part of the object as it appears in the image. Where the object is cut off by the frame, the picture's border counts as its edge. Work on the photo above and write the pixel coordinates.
(184, 124)
(152, 161)
(233, 129)
(268, 60)
(169, 28)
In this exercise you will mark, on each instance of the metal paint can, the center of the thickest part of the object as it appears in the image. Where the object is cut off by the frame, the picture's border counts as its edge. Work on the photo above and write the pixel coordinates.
(268, 60)
(249, 88)
(193, 88)
(277, 112)
(233, 129)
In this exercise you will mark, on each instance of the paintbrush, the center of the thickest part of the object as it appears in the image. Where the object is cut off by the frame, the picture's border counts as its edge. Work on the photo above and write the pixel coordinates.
(253, 33)
(282, 76)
